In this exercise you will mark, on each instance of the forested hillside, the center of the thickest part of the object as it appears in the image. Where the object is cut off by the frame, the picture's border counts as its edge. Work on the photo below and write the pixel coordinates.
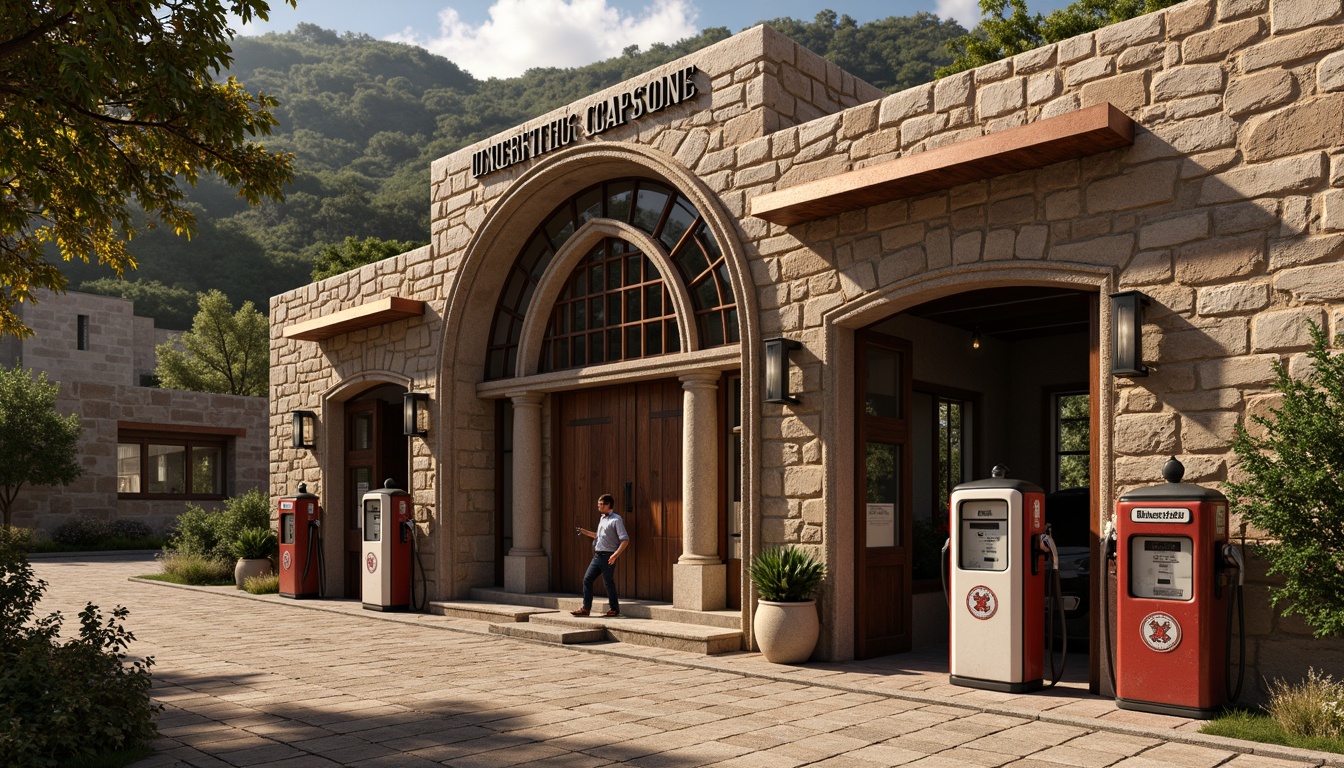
(364, 119)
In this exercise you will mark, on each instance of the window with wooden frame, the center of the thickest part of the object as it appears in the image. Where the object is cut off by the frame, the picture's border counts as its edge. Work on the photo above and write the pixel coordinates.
(1071, 443)
(171, 465)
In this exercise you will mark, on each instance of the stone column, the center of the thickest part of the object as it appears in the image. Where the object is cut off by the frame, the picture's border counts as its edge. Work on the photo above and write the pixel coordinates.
(699, 578)
(525, 566)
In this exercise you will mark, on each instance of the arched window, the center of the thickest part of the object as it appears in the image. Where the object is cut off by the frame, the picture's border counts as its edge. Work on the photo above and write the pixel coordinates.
(615, 305)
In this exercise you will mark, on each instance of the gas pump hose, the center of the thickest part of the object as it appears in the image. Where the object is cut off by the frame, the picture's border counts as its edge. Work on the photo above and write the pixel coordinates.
(943, 566)
(1233, 694)
(1054, 605)
(315, 537)
(415, 560)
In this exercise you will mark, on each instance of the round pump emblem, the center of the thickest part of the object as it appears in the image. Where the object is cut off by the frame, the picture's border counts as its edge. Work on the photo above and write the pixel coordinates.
(286, 560)
(371, 562)
(1160, 631)
(982, 602)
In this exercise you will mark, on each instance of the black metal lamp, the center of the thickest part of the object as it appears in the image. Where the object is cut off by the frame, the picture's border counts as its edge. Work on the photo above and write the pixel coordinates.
(1127, 333)
(413, 405)
(777, 369)
(304, 427)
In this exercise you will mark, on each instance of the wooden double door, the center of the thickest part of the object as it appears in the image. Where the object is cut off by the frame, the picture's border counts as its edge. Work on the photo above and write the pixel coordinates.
(625, 441)
(375, 452)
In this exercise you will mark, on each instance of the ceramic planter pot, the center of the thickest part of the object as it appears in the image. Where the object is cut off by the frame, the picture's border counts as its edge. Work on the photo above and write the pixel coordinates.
(246, 568)
(786, 632)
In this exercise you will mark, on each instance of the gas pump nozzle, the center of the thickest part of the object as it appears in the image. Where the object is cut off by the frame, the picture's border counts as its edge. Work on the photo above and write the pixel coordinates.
(1049, 543)
(1232, 556)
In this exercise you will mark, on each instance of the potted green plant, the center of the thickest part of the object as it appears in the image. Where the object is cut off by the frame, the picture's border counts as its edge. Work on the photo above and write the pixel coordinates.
(786, 625)
(253, 548)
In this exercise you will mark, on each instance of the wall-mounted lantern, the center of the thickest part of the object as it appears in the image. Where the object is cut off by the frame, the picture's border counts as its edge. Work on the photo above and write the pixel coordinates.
(304, 429)
(1127, 334)
(414, 406)
(777, 369)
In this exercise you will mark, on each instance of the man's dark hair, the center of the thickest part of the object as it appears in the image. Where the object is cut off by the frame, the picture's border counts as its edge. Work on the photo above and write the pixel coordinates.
(607, 499)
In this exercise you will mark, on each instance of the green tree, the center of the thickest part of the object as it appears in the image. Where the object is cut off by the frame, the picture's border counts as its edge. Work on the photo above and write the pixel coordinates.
(335, 259)
(170, 306)
(1294, 487)
(37, 445)
(109, 106)
(225, 352)
(1006, 28)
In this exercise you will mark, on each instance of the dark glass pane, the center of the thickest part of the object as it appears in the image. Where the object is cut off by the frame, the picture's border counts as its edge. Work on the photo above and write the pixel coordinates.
(884, 383)
(537, 248)
(1073, 436)
(653, 339)
(495, 364)
(596, 279)
(613, 275)
(725, 284)
(632, 306)
(546, 356)
(730, 320)
(167, 469)
(882, 463)
(1074, 471)
(595, 348)
(1074, 407)
(525, 301)
(501, 335)
(613, 309)
(679, 219)
(513, 292)
(707, 240)
(649, 205)
(706, 294)
(589, 204)
(579, 283)
(595, 312)
(543, 261)
(561, 320)
(711, 329)
(510, 361)
(559, 228)
(580, 315)
(653, 300)
(618, 200)
(561, 353)
(672, 339)
(632, 342)
(579, 349)
(614, 344)
(691, 260)
(634, 269)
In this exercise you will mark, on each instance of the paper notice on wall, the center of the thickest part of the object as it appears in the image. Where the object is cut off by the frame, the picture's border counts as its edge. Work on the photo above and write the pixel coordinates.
(881, 525)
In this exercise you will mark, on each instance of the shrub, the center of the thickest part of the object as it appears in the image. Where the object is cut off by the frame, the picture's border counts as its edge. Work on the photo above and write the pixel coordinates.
(1314, 707)
(262, 585)
(191, 568)
(787, 575)
(81, 532)
(64, 701)
(212, 533)
(255, 543)
(129, 529)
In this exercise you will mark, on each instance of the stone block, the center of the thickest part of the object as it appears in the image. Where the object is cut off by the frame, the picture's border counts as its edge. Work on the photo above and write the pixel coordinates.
(1330, 73)
(1246, 217)
(1222, 399)
(1265, 179)
(1043, 86)
(1261, 92)
(1112, 250)
(1223, 39)
(1145, 433)
(1001, 98)
(1235, 299)
(1076, 48)
(1297, 250)
(1181, 82)
(966, 248)
(1285, 49)
(1128, 92)
(1089, 70)
(1169, 232)
(1304, 126)
(916, 129)
(1332, 210)
(1204, 338)
(1235, 9)
(1290, 15)
(907, 103)
(1035, 60)
(1205, 431)
(1216, 260)
(954, 91)
(1014, 210)
(1147, 268)
(1188, 17)
(1142, 56)
(1138, 187)
(1242, 371)
(1125, 34)
(1284, 330)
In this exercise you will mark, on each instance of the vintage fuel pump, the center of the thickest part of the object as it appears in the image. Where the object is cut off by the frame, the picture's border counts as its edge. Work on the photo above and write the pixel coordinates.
(301, 565)
(1174, 600)
(389, 530)
(997, 591)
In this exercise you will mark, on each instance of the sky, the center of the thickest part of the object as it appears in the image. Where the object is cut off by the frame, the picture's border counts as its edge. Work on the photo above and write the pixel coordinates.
(504, 38)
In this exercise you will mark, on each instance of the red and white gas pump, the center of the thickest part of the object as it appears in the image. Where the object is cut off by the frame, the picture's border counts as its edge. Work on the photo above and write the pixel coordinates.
(997, 591)
(389, 529)
(1174, 598)
(301, 564)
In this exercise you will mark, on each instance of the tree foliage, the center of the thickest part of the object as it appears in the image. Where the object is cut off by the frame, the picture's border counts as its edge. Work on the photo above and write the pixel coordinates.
(108, 107)
(1006, 28)
(170, 306)
(1294, 487)
(37, 445)
(335, 259)
(225, 352)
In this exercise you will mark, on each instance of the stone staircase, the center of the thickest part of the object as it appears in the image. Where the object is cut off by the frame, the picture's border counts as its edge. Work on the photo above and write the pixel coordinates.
(545, 617)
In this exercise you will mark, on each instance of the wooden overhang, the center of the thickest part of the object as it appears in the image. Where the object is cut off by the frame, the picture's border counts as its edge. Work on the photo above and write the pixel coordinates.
(352, 319)
(1077, 134)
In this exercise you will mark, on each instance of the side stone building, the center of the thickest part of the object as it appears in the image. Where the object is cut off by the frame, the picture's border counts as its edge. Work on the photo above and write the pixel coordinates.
(936, 266)
(146, 451)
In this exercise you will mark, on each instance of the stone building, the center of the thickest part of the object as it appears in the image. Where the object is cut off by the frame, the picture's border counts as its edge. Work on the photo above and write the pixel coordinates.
(146, 451)
(593, 313)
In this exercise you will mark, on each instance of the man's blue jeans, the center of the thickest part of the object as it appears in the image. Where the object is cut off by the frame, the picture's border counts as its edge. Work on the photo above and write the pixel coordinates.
(600, 565)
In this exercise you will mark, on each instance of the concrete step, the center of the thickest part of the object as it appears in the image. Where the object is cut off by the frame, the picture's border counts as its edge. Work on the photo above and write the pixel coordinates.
(484, 611)
(550, 634)
(691, 638)
(640, 609)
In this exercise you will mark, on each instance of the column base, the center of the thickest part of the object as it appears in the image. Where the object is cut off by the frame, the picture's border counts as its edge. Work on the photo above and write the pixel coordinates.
(526, 574)
(700, 587)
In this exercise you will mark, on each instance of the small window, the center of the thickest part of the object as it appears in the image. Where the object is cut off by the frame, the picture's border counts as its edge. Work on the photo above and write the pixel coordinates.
(82, 331)
(1072, 413)
(171, 466)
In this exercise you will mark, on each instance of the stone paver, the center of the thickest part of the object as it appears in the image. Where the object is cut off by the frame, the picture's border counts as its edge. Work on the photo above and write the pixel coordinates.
(275, 683)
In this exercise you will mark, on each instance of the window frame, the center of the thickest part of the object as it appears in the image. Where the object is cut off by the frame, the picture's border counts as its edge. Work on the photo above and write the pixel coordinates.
(189, 442)
(1053, 398)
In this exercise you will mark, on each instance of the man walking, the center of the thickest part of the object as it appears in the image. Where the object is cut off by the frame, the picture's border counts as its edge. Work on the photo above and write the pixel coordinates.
(609, 541)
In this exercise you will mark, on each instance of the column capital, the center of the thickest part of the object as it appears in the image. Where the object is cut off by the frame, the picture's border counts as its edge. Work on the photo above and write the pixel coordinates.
(525, 399)
(700, 380)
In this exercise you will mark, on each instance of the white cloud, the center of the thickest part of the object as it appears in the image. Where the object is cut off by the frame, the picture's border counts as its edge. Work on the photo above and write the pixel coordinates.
(522, 34)
(966, 12)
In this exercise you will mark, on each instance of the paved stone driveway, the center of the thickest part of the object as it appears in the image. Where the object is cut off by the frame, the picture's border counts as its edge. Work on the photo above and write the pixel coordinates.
(249, 682)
